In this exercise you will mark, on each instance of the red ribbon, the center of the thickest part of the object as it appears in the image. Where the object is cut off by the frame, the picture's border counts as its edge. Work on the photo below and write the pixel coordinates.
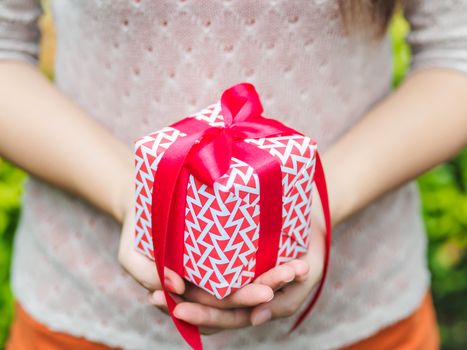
(206, 152)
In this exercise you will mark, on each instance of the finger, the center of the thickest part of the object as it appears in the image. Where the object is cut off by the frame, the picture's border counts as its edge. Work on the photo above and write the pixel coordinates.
(209, 330)
(174, 282)
(247, 296)
(300, 267)
(144, 271)
(276, 277)
(157, 298)
(285, 303)
(140, 268)
(207, 316)
(137, 265)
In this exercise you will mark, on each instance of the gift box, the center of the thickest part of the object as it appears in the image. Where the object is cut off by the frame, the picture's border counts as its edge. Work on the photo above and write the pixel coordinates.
(224, 195)
(222, 220)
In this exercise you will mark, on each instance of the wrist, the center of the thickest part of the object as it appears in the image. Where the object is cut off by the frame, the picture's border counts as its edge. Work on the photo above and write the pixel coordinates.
(123, 201)
(123, 193)
(340, 204)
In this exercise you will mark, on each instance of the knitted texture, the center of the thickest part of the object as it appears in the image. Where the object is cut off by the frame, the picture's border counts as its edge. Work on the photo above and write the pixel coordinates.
(139, 65)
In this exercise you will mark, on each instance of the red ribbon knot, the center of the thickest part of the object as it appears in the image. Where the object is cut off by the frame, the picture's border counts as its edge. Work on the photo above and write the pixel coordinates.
(241, 109)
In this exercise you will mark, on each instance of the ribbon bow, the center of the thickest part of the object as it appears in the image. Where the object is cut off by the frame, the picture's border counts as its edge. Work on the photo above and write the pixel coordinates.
(241, 111)
(206, 152)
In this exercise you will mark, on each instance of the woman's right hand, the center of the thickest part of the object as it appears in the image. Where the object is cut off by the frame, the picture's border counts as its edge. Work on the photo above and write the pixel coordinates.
(141, 268)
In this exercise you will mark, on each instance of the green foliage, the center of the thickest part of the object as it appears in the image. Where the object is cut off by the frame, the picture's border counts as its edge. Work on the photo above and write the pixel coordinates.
(11, 180)
(445, 212)
(444, 208)
(401, 51)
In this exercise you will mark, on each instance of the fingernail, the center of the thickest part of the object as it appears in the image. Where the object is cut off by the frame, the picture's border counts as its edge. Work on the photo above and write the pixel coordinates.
(178, 314)
(290, 279)
(158, 298)
(168, 284)
(261, 317)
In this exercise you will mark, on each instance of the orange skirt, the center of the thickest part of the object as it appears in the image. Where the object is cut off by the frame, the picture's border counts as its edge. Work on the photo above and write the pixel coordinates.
(417, 332)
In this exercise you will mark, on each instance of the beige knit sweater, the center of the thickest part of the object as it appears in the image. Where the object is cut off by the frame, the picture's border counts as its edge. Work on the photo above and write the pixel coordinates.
(137, 65)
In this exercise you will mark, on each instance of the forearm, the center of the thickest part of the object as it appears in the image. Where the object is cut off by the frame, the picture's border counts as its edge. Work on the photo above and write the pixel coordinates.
(420, 125)
(46, 134)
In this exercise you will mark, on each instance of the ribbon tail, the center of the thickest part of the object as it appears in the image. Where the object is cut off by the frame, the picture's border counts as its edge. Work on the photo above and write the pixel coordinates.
(189, 332)
(174, 256)
(320, 182)
(168, 179)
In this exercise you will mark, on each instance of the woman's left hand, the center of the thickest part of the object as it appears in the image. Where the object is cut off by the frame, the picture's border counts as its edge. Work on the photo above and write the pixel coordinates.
(288, 300)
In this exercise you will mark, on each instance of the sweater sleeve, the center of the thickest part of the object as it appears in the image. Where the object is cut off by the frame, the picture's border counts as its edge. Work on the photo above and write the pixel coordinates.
(19, 31)
(438, 36)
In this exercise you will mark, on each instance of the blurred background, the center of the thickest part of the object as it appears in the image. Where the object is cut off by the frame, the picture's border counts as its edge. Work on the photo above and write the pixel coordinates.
(443, 192)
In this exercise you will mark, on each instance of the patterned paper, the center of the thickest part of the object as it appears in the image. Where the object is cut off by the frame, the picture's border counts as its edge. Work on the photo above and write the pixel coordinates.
(222, 222)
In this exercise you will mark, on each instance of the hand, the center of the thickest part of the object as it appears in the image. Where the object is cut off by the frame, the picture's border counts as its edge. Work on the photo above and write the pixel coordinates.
(288, 300)
(212, 315)
(291, 282)
(142, 269)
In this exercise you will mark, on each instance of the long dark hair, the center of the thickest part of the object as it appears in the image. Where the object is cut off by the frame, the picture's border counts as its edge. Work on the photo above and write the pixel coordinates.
(372, 16)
